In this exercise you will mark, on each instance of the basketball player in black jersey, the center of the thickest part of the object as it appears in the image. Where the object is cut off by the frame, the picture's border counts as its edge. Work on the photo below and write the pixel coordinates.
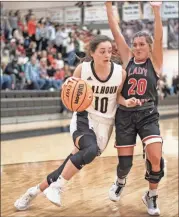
(143, 65)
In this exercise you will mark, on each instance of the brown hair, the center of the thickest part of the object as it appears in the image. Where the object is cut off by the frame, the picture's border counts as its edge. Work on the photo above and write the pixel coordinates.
(148, 37)
(92, 46)
(97, 40)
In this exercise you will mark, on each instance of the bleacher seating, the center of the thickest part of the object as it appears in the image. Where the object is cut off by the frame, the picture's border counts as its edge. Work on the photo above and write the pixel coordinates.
(169, 100)
(26, 103)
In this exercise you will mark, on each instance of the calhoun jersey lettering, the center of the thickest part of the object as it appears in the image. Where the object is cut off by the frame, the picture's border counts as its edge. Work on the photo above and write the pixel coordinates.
(104, 92)
(141, 81)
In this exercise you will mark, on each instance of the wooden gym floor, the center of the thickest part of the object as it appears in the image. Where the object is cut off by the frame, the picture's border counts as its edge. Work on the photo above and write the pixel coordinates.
(87, 193)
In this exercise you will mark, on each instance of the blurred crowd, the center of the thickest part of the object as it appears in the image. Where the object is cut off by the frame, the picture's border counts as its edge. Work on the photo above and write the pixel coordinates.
(39, 54)
(131, 27)
(166, 88)
(173, 29)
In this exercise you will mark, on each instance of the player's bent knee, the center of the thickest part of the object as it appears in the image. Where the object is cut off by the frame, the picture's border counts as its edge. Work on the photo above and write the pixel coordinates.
(155, 160)
(88, 145)
(88, 151)
(124, 166)
(151, 176)
(77, 160)
(90, 154)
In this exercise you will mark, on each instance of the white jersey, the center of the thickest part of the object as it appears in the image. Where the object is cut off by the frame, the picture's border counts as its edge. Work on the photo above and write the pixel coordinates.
(104, 92)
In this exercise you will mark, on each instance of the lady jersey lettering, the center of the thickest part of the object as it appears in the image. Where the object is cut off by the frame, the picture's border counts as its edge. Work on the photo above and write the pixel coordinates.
(141, 81)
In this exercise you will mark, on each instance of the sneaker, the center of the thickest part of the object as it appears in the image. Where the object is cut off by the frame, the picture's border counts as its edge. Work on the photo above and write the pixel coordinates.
(151, 203)
(53, 193)
(116, 190)
(24, 201)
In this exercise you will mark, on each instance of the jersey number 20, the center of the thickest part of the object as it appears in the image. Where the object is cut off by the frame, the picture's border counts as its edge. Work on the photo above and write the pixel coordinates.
(101, 104)
(137, 87)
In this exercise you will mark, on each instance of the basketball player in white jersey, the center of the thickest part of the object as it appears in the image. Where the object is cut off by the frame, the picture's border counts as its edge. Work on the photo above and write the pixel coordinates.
(90, 129)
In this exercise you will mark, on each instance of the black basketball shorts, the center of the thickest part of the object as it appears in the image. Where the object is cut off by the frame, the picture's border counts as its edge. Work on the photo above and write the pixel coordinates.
(130, 123)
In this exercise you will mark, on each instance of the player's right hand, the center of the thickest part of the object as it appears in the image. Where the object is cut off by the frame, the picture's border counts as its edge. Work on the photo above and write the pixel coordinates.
(71, 79)
(132, 102)
(108, 3)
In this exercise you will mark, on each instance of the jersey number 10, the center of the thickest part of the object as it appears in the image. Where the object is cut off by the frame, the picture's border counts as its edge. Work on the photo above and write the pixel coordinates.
(101, 105)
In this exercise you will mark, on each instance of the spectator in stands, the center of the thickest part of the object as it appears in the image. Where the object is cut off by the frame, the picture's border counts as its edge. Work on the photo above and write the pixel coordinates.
(58, 39)
(31, 25)
(68, 71)
(5, 57)
(13, 20)
(20, 22)
(44, 34)
(59, 74)
(43, 73)
(63, 73)
(31, 49)
(70, 50)
(38, 37)
(21, 80)
(51, 34)
(15, 69)
(6, 29)
(64, 35)
(52, 82)
(79, 46)
(160, 89)
(17, 34)
(12, 47)
(56, 82)
(59, 61)
(28, 15)
(173, 33)
(26, 37)
(6, 81)
(20, 51)
(12, 69)
(34, 81)
(175, 83)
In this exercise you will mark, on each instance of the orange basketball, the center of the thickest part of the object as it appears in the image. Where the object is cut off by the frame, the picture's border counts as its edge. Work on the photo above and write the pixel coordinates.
(77, 95)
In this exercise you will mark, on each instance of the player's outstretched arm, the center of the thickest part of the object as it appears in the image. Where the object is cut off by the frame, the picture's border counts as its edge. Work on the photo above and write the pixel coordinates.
(157, 52)
(123, 48)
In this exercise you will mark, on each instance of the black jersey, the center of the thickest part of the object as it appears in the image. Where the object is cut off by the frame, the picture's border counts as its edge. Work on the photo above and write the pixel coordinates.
(141, 81)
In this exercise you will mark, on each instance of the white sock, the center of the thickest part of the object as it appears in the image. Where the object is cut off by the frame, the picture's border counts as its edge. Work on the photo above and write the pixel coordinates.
(152, 192)
(62, 181)
(121, 181)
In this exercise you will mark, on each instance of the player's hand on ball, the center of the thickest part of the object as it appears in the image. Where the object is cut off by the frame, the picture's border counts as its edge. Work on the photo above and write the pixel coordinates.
(71, 79)
(132, 102)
